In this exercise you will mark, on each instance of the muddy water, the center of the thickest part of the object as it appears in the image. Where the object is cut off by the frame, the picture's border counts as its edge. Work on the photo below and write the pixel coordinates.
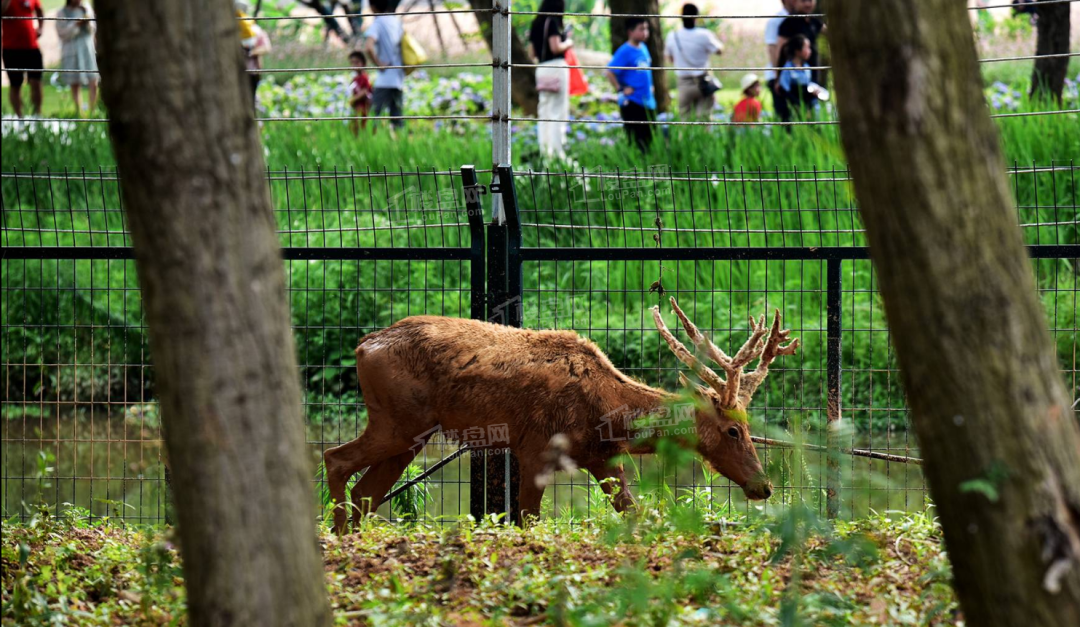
(112, 465)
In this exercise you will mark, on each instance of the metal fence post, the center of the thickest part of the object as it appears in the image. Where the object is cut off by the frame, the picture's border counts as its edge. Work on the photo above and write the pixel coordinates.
(500, 105)
(478, 301)
(477, 272)
(502, 480)
(833, 358)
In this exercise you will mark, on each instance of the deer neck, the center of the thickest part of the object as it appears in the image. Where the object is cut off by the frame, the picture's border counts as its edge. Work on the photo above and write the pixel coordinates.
(632, 400)
(637, 396)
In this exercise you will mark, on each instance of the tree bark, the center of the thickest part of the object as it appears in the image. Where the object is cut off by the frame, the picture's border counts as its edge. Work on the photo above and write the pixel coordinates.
(1048, 76)
(522, 81)
(655, 43)
(989, 407)
(212, 279)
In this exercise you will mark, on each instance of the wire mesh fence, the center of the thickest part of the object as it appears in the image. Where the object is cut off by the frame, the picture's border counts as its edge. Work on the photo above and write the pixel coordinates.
(363, 250)
(587, 248)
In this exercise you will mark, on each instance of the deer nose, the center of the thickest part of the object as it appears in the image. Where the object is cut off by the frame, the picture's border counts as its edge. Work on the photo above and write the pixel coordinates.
(767, 490)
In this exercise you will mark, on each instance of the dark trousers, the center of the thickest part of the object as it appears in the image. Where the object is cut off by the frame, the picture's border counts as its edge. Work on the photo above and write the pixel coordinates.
(255, 80)
(640, 134)
(389, 100)
(780, 101)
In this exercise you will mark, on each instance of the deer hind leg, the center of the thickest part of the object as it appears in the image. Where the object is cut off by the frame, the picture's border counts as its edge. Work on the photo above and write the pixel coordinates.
(371, 489)
(612, 481)
(378, 443)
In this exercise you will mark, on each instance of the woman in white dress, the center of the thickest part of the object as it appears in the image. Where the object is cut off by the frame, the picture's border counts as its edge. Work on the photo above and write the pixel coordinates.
(549, 42)
(78, 52)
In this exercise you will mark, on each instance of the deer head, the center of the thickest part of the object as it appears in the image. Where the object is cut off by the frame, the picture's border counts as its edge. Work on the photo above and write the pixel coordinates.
(722, 427)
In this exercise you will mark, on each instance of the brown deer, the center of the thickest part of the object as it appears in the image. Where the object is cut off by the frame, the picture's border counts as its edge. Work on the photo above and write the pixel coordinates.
(430, 373)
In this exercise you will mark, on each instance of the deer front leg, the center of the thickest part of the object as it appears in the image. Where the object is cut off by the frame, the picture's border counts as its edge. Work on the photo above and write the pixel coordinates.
(530, 495)
(612, 480)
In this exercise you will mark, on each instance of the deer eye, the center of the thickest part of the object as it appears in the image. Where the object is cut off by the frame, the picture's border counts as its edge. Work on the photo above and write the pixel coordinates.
(733, 432)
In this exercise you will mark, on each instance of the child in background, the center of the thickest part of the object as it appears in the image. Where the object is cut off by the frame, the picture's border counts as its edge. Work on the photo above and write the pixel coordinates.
(359, 92)
(794, 84)
(637, 102)
(749, 108)
(247, 25)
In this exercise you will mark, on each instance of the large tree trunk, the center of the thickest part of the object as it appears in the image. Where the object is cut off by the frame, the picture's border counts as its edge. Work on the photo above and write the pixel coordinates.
(213, 289)
(990, 410)
(1048, 77)
(522, 81)
(655, 42)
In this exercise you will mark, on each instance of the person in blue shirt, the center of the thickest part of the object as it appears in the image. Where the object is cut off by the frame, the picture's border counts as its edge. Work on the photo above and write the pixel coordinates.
(795, 84)
(636, 100)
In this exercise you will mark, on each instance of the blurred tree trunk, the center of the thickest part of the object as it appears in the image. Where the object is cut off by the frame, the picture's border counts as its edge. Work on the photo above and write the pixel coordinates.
(1048, 76)
(655, 43)
(213, 288)
(522, 81)
(989, 407)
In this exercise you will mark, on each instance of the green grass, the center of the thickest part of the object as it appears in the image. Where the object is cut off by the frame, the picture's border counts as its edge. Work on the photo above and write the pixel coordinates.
(336, 302)
(54, 102)
(677, 569)
(92, 326)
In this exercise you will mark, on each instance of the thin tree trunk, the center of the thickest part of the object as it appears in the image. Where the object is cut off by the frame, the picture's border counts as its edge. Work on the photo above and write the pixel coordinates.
(993, 419)
(1048, 76)
(522, 81)
(210, 268)
(655, 42)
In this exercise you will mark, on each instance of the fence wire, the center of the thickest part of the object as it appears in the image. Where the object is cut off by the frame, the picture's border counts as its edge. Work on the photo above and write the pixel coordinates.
(81, 422)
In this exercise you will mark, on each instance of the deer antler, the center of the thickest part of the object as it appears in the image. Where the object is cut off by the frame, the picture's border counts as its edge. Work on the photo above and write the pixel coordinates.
(732, 366)
(732, 391)
(703, 371)
(773, 348)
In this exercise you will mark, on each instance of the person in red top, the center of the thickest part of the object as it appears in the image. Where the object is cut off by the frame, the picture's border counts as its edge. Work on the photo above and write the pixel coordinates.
(359, 92)
(21, 51)
(749, 108)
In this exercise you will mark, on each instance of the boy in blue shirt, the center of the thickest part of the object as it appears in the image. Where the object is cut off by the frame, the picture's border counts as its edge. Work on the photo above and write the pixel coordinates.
(636, 100)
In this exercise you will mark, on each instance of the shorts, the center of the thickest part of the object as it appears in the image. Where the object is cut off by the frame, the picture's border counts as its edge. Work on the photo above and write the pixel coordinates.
(387, 98)
(22, 59)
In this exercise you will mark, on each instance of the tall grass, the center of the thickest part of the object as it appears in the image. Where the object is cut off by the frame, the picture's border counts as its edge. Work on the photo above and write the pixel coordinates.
(717, 187)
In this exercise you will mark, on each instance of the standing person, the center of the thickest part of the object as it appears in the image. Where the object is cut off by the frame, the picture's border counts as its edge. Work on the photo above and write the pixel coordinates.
(21, 51)
(383, 48)
(637, 103)
(749, 108)
(800, 24)
(772, 51)
(549, 42)
(794, 85)
(77, 53)
(359, 93)
(255, 42)
(690, 47)
(254, 60)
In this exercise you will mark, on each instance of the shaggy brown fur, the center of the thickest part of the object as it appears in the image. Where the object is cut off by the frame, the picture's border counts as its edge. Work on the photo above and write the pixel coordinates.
(428, 373)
